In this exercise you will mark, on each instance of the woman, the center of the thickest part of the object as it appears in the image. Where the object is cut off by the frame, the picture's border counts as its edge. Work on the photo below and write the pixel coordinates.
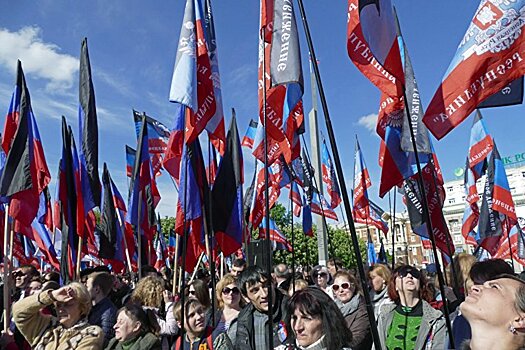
(197, 333)
(229, 304)
(316, 322)
(198, 289)
(134, 330)
(352, 305)
(495, 311)
(379, 276)
(151, 294)
(69, 330)
(321, 277)
(410, 323)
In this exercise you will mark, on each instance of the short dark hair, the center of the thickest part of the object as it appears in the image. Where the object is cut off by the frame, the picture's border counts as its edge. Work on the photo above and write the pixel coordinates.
(314, 302)
(239, 262)
(103, 280)
(251, 276)
(335, 262)
(145, 269)
(483, 271)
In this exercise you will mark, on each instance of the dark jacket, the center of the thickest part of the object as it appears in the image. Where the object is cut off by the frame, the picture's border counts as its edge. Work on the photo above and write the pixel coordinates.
(147, 341)
(245, 338)
(104, 315)
(357, 322)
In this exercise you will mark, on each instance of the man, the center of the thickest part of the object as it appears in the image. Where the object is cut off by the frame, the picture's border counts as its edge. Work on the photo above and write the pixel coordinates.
(23, 277)
(103, 313)
(238, 266)
(252, 323)
(282, 276)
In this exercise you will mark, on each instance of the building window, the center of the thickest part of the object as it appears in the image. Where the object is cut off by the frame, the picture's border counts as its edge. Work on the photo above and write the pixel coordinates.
(412, 238)
(451, 201)
(450, 189)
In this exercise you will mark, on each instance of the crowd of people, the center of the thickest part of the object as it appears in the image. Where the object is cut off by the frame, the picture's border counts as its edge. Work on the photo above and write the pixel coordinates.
(321, 309)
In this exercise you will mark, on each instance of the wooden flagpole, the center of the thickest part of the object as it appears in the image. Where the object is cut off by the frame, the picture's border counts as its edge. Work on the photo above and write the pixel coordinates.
(175, 264)
(139, 235)
(7, 268)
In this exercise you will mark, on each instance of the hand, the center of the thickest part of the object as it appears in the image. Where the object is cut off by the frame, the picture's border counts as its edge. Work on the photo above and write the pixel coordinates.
(168, 297)
(64, 294)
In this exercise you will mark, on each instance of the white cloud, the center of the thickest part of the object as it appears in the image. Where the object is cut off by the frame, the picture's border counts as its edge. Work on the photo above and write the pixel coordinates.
(40, 59)
(368, 121)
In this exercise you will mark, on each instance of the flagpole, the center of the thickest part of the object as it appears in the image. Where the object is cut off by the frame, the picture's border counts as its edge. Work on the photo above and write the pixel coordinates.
(293, 243)
(394, 231)
(126, 249)
(508, 240)
(266, 187)
(184, 252)
(175, 263)
(7, 267)
(139, 236)
(340, 175)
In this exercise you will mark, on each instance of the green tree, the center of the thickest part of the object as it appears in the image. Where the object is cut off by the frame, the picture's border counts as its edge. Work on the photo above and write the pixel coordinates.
(167, 224)
(306, 247)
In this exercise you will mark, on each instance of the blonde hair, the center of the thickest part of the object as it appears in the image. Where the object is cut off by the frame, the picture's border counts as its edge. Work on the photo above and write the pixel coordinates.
(223, 282)
(382, 271)
(82, 297)
(299, 285)
(149, 292)
(462, 264)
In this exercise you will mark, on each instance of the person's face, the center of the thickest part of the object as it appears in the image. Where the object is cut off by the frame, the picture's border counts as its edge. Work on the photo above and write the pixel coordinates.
(231, 295)
(492, 302)
(34, 287)
(377, 282)
(331, 269)
(307, 328)
(236, 271)
(93, 291)
(21, 278)
(191, 291)
(195, 319)
(258, 294)
(322, 279)
(343, 289)
(408, 281)
(68, 313)
(125, 328)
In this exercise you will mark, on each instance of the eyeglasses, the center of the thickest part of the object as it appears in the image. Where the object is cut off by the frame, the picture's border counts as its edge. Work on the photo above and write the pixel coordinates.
(405, 270)
(345, 285)
(192, 292)
(18, 274)
(233, 290)
(322, 274)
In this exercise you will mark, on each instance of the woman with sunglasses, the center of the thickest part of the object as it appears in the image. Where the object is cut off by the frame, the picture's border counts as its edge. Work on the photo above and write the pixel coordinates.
(229, 303)
(322, 278)
(352, 305)
(410, 323)
(69, 330)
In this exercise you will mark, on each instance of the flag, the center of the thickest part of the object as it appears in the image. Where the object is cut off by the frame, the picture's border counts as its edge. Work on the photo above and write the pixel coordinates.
(42, 238)
(88, 133)
(361, 204)
(274, 190)
(372, 256)
(215, 126)
(275, 235)
(502, 200)
(471, 213)
(372, 43)
(414, 200)
(307, 220)
(321, 207)
(329, 178)
(25, 173)
(227, 202)
(481, 144)
(192, 83)
(514, 235)
(248, 139)
(512, 94)
(487, 59)
(173, 156)
(130, 160)
(295, 197)
(158, 138)
(110, 247)
(375, 218)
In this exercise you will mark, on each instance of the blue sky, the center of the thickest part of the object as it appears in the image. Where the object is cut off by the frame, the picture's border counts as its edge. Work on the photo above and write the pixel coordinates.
(132, 48)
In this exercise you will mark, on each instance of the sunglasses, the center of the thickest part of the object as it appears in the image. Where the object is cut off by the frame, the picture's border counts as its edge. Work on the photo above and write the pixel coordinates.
(192, 292)
(346, 285)
(404, 271)
(322, 274)
(233, 290)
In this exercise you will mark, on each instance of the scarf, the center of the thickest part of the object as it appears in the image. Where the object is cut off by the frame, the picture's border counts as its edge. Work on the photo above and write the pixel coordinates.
(350, 307)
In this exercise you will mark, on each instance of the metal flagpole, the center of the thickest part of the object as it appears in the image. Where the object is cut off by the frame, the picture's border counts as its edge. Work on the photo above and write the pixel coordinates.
(394, 231)
(339, 170)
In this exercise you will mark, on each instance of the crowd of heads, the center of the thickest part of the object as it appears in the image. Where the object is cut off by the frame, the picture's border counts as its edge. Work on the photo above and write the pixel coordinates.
(315, 302)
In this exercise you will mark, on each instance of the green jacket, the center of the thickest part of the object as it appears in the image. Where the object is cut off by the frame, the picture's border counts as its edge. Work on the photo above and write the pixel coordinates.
(148, 341)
